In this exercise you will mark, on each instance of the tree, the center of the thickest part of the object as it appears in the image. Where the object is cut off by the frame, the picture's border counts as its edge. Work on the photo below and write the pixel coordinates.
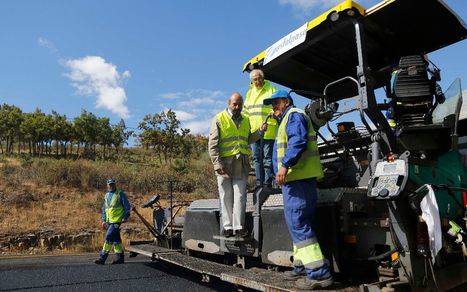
(27, 130)
(104, 134)
(11, 118)
(86, 126)
(151, 133)
(120, 135)
(61, 132)
(163, 134)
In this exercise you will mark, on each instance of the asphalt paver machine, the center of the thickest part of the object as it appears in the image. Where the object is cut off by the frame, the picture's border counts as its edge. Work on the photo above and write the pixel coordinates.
(391, 209)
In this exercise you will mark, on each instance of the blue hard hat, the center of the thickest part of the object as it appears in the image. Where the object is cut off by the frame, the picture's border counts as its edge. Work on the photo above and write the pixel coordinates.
(110, 181)
(276, 95)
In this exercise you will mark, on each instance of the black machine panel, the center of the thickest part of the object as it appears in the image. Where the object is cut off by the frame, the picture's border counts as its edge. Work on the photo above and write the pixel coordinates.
(357, 225)
(277, 244)
(349, 227)
(200, 237)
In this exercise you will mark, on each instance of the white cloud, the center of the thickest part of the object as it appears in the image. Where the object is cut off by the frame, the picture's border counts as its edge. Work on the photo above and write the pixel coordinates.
(199, 127)
(172, 95)
(196, 96)
(196, 107)
(305, 6)
(202, 101)
(93, 75)
(183, 116)
(45, 43)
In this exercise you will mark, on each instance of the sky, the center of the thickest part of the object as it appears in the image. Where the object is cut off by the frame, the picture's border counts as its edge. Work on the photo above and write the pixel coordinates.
(126, 59)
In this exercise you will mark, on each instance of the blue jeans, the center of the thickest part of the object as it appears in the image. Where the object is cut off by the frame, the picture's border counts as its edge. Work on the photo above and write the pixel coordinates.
(267, 161)
(299, 207)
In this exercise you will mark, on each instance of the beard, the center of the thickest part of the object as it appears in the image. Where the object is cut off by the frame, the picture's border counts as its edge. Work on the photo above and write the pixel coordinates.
(236, 112)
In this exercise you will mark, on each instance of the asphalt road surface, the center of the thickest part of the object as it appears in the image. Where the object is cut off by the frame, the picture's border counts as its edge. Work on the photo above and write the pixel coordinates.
(79, 273)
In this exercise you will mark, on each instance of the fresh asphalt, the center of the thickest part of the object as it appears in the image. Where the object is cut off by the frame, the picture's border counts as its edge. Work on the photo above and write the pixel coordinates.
(79, 273)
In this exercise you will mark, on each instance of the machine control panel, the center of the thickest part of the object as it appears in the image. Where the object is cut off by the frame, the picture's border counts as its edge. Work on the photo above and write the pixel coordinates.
(389, 179)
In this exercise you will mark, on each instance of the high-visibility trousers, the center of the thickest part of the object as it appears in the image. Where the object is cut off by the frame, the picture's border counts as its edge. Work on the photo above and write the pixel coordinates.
(299, 206)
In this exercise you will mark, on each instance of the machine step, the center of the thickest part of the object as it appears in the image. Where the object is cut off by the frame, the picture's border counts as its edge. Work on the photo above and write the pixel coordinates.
(254, 278)
(232, 238)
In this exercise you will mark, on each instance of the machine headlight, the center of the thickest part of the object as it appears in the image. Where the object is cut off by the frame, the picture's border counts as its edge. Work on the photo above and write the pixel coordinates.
(334, 16)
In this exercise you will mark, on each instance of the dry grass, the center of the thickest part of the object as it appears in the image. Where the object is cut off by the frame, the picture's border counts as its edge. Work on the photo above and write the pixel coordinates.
(65, 196)
(61, 210)
(64, 211)
(71, 213)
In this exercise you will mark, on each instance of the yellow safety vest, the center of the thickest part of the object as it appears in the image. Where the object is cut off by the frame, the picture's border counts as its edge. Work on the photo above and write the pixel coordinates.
(114, 210)
(309, 164)
(233, 140)
(257, 111)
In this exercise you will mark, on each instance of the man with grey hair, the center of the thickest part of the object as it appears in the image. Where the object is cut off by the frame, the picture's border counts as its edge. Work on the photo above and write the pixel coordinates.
(259, 90)
(228, 148)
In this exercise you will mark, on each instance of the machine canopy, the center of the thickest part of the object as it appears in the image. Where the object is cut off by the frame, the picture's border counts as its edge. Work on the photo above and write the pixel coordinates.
(325, 48)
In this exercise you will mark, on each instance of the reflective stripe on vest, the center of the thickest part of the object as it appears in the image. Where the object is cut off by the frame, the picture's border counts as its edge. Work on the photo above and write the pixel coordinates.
(257, 111)
(114, 210)
(308, 253)
(309, 164)
(233, 140)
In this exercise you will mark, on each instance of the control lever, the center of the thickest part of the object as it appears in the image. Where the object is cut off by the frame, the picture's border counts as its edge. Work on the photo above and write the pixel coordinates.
(154, 200)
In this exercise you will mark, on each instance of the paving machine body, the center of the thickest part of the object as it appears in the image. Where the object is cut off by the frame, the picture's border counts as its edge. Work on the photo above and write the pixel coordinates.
(371, 213)
(368, 217)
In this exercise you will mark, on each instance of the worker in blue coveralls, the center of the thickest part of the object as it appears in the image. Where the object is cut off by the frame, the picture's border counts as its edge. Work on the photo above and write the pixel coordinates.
(115, 211)
(297, 164)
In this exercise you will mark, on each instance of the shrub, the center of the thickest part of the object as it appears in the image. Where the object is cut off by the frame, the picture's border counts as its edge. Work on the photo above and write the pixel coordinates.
(194, 176)
(19, 198)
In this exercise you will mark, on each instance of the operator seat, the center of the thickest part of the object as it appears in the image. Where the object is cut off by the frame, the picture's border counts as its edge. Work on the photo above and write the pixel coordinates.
(414, 96)
(411, 92)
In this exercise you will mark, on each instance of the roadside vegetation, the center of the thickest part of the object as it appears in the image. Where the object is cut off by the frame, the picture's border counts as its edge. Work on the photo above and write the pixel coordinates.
(89, 136)
(53, 170)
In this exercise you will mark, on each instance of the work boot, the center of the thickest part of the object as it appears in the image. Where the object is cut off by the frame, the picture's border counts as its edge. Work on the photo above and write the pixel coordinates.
(102, 257)
(295, 273)
(306, 283)
(256, 187)
(99, 261)
(227, 233)
(119, 260)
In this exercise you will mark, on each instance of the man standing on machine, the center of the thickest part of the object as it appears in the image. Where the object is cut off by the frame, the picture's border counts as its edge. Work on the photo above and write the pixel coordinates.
(259, 90)
(228, 148)
(297, 163)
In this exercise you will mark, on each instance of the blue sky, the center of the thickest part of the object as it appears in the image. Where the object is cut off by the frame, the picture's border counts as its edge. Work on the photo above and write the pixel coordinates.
(130, 58)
